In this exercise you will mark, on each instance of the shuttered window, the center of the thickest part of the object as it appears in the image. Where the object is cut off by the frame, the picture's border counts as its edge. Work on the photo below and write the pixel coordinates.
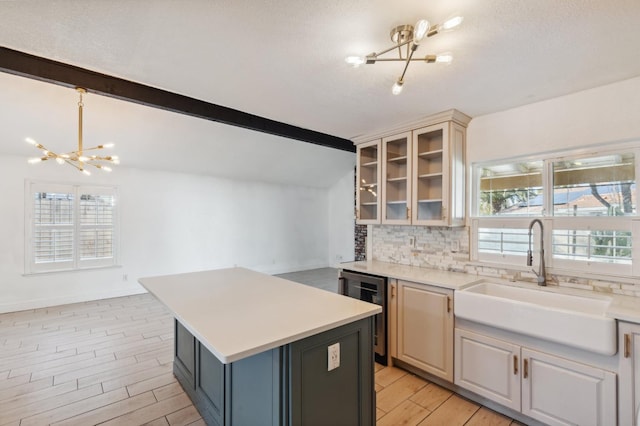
(71, 227)
(587, 203)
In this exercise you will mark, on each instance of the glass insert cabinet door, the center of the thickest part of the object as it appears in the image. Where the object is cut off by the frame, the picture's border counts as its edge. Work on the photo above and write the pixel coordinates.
(430, 174)
(396, 177)
(368, 179)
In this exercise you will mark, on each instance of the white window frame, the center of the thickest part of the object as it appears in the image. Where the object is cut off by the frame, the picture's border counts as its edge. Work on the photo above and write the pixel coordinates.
(76, 263)
(557, 265)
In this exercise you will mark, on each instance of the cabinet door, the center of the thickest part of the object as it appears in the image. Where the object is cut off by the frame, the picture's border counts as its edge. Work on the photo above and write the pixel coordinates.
(456, 175)
(368, 179)
(396, 179)
(629, 385)
(185, 350)
(488, 367)
(430, 175)
(425, 328)
(557, 391)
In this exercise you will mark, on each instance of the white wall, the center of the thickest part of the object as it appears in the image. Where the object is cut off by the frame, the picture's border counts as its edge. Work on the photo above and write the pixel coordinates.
(597, 116)
(171, 223)
(341, 221)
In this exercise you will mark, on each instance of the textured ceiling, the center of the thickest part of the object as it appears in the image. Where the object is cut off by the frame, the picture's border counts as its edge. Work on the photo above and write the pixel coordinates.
(284, 59)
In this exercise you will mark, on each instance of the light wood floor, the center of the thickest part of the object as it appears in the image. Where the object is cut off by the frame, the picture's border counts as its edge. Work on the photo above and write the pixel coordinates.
(110, 362)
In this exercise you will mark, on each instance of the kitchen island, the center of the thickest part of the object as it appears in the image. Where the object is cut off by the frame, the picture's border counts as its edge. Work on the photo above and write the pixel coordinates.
(256, 349)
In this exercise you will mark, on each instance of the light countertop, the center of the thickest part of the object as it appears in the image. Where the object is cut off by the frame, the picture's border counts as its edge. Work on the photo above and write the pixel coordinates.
(236, 313)
(435, 277)
(623, 308)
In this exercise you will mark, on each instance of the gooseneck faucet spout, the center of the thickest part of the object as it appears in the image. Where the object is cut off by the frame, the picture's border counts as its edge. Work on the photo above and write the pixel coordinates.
(541, 274)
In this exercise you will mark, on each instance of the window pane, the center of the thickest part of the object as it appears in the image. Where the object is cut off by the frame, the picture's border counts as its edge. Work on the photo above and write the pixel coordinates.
(595, 186)
(51, 208)
(513, 189)
(594, 246)
(503, 240)
(97, 225)
(53, 227)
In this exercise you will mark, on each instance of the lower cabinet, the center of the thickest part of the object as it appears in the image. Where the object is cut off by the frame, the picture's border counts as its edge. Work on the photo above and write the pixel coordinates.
(424, 321)
(288, 385)
(545, 387)
(629, 368)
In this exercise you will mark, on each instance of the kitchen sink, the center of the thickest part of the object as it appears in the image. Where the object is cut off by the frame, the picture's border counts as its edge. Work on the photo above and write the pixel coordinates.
(572, 320)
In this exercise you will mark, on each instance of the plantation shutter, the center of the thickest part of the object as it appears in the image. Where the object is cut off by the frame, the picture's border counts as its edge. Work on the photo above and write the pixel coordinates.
(53, 228)
(71, 227)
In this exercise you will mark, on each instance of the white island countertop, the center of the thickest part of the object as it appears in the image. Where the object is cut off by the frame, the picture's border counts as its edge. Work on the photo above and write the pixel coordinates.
(236, 313)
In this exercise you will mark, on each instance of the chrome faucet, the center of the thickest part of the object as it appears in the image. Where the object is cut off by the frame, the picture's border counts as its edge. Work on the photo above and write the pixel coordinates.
(541, 274)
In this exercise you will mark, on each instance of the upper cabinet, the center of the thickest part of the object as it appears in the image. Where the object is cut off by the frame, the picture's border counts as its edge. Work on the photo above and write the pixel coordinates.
(396, 178)
(368, 178)
(420, 173)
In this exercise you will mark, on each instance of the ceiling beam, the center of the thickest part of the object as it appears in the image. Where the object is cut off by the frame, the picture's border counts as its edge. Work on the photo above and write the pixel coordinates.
(43, 69)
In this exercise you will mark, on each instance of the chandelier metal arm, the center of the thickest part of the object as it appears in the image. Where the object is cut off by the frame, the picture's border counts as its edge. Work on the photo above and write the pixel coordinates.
(406, 64)
(374, 56)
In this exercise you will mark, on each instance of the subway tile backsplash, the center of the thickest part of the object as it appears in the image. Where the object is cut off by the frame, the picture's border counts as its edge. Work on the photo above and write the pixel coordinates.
(448, 249)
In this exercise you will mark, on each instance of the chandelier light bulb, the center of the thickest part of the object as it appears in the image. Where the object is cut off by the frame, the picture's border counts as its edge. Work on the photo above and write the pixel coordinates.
(108, 145)
(86, 172)
(83, 159)
(444, 58)
(30, 141)
(397, 87)
(106, 168)
(60, 160)
(34, 160)
(355, 61)
(452, 23)
(420, 30)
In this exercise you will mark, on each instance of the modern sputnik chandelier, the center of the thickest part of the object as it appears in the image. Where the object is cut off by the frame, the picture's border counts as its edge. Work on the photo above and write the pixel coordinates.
(78, 158)
(409, 36)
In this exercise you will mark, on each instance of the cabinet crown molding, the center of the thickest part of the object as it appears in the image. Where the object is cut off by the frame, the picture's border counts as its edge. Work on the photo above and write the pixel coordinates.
(450, 115)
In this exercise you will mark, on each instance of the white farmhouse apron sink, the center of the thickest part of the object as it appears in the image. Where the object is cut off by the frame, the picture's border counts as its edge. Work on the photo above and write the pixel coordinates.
(572, 320)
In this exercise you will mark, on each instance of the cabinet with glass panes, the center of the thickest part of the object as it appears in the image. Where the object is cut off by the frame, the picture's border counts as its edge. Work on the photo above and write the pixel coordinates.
(396, 175)
(422, 173)
(439, 175)
(367, 183)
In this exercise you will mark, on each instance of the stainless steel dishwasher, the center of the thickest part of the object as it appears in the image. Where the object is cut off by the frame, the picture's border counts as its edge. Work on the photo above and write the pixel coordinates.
(372, 289)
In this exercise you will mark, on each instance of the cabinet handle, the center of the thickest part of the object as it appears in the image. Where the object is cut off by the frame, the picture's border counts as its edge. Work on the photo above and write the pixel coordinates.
(408, 212)
(393, 291)
(515, 364)
(627, 345)
(358, 214)
(525, 368)
(448, 304)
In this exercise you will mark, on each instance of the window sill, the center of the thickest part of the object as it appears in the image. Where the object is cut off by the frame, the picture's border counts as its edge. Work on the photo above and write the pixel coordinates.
(63, 271)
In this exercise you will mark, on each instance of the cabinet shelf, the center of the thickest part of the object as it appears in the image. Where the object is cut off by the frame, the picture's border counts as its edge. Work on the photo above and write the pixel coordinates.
(371, 203)
(369, 164)
(431, 200)
(398, 158)
(397, 202)
(430, 175)
(427, 154)
(397, 179)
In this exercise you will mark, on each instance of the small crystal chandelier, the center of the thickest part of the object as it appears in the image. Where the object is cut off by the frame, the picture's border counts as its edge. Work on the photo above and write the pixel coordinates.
(78, 159)
(410, 36)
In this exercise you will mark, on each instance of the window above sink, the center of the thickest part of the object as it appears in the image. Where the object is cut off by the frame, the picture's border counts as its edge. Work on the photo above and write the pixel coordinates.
(586, 200)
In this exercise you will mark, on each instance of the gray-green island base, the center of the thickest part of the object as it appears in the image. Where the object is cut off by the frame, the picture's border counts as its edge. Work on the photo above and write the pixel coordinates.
(287, 385)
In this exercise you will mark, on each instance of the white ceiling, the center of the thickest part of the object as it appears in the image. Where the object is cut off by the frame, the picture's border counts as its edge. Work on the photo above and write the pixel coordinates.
(284, 60)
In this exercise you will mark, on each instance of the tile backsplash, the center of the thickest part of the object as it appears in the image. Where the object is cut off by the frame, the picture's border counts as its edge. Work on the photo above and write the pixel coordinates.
(448, 249)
